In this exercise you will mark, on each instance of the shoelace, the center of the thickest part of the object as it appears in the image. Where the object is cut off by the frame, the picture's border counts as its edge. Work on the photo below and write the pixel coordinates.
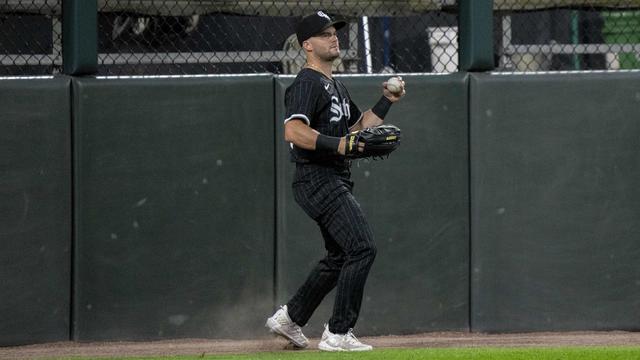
(283, 320)
(291, 325)
(351, 338)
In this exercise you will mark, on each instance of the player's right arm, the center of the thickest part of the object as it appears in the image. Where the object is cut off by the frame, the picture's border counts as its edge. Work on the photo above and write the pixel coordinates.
(296, 131)
(301, 106)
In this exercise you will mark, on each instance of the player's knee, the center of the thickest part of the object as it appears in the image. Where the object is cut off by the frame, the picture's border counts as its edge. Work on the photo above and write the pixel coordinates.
(366, 251)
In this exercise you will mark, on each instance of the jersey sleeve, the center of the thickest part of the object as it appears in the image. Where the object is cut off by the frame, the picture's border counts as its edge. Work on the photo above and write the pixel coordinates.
(300, 101)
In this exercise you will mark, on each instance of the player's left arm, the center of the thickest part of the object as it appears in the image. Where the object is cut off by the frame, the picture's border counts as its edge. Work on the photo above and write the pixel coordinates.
(375, 116)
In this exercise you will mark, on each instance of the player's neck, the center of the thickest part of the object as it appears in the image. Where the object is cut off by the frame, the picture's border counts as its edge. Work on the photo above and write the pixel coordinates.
(325, 68)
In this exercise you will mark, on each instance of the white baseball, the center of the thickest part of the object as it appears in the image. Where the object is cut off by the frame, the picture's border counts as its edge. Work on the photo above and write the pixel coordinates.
(394, 85)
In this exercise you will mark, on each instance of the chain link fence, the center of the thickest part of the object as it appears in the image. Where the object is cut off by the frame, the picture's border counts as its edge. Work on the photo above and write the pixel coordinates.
(30, 37)
(564, 35)
(187, 37)
(149, 37)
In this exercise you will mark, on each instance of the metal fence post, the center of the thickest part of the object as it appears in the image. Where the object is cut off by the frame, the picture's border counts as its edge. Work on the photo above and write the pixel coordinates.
(476, 35)
(80, 37)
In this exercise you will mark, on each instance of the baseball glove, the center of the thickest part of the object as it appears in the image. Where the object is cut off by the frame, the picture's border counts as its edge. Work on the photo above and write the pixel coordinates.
(375, 142)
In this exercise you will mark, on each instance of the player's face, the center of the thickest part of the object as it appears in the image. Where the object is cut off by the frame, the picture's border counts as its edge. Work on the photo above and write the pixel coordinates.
(326, 45)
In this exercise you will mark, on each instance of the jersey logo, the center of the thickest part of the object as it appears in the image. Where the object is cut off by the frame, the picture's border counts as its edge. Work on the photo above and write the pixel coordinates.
(339, 110)
(327, 86)
(321, 13)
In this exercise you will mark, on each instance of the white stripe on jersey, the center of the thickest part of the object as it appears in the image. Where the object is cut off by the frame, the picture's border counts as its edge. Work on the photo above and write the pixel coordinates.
(299, 117)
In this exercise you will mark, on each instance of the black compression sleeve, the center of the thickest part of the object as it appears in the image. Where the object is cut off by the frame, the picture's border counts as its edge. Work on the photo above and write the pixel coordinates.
(381, 108)
(327, 143)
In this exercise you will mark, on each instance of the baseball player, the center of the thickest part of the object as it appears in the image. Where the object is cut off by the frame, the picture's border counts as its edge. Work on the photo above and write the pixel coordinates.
(319, 113)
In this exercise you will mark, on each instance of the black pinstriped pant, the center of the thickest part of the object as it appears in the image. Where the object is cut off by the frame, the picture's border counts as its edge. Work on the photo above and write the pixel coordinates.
(325, 195)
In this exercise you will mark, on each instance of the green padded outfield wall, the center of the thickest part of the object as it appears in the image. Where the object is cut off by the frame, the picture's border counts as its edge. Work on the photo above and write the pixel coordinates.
(35, 210)
(555, 202)
(416, 202)
(175, 207)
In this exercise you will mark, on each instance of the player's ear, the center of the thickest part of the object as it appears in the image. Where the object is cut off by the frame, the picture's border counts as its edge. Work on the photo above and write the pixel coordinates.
(306, 45)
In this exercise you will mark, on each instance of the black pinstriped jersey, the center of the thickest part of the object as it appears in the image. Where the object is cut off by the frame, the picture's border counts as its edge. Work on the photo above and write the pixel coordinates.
(325, 105)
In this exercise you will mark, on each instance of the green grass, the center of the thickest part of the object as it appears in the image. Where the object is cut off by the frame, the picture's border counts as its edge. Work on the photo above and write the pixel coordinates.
(574, 353)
